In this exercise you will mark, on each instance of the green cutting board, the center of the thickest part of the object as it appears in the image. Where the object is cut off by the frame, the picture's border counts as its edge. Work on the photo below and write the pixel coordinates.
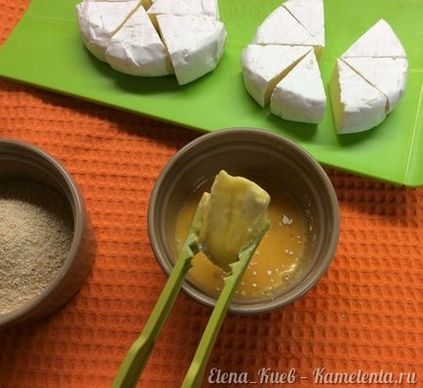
(45, 50)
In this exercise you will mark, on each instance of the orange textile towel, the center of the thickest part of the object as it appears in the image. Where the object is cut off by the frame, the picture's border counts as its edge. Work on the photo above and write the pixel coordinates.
(365, 314)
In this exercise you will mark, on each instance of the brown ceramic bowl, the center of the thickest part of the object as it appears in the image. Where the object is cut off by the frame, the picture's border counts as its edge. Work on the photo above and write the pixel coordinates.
(251, 153)
(20, 161)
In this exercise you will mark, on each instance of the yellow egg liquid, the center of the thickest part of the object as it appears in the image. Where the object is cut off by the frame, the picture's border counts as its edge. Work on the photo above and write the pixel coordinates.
(276, 262)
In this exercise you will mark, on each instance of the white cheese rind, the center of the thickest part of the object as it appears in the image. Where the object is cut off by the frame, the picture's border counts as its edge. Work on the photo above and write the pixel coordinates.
(185, 7)
(300, 96)
(357, 105)
(380, 41)
(264, 66)
(137, 49)
(98, 21)
(310, 14)
(389, 75)
(280, 27)
(195, 44)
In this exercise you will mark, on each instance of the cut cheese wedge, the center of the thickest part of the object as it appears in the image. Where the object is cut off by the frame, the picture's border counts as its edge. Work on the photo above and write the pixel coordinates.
(379, 41)
(357, 105)
(389, 75)
(137, 49)
(300, 96)
(310, 14)
(281, 64)
(264, 66)
(235, 212)
(195, 44)
(372, 73)
(99, 20)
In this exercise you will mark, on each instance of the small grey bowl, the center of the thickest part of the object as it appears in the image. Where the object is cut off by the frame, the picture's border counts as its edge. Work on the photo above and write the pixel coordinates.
(252, 153)
(21, 161)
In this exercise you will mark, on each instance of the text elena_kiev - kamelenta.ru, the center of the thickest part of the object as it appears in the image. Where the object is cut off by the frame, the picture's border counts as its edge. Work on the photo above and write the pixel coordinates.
(318, 376)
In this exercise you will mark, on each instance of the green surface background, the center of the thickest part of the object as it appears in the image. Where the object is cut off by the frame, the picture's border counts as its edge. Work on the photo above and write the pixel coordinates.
(45, 50)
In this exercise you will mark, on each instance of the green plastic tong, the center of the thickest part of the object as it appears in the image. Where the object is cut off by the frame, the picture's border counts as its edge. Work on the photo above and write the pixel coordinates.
(138, 354)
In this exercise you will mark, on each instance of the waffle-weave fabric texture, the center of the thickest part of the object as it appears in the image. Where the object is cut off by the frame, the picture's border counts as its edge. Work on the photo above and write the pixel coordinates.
(365, 314)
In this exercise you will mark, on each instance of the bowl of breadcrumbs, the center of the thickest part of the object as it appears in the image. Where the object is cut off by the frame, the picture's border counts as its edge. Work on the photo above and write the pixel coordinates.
(46, 243)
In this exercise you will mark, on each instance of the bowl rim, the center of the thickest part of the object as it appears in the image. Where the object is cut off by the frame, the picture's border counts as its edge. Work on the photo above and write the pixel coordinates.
(76, 201)
(307, 281)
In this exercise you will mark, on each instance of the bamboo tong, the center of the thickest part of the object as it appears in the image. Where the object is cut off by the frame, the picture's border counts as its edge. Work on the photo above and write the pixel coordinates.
(138, 354)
